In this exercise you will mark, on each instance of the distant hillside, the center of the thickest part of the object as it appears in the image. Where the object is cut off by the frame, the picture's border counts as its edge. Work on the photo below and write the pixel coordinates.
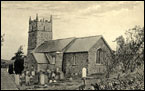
(5, 63)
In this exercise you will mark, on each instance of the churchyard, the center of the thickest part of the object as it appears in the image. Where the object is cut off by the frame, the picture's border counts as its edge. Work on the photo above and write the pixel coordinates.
(59, 83)
(66, 84)
(116, 81)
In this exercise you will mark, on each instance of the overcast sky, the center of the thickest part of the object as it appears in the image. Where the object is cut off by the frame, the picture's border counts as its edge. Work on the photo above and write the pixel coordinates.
(70, 19)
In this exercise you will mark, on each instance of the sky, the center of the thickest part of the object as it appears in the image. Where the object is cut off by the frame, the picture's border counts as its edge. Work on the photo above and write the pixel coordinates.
(70, 19)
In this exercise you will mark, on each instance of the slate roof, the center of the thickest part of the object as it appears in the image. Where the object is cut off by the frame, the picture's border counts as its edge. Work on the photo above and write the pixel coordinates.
(54, 45)
(83, 44)
(40, 58)
(7, 83)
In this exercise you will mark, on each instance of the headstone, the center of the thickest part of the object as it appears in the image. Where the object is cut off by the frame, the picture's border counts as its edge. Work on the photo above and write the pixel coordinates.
(23, 79)
(46, 79)
(61, 75)
(42, 79)
(57, 70)
(84, 73)
(27, 72)
(54, 81)
(33, 73)
(92, 88)
(57, 77)
(17, 79)
(23, 74)
(50, 81)
(70, 79)
(53, 74)
(49, 73)
(27, 79)
(45, 86)
(31, 80)
(76, 74)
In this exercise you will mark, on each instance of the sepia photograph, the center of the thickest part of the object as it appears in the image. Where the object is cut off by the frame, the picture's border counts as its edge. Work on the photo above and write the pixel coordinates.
(72, 45)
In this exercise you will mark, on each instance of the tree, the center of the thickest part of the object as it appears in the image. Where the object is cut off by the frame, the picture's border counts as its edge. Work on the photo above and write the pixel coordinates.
(109, 64)
(19, 61)
(131, 48)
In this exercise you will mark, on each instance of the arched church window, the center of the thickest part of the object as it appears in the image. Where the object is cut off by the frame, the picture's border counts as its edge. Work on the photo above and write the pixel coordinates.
(99, 56)
(74, 59)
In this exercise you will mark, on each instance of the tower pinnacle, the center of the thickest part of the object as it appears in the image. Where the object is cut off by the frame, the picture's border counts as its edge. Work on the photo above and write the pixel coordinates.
(30, 19)
(36, 17)
(50, 18)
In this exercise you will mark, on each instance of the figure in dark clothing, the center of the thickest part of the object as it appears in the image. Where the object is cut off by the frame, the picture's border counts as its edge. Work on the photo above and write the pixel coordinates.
(10, 70)
(19, 61)
(18, 65)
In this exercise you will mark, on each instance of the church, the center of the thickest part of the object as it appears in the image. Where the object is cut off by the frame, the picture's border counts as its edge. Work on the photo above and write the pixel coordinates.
(69, 55)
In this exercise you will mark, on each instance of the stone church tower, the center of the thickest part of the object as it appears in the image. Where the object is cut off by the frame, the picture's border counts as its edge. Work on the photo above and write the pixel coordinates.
(39, 31)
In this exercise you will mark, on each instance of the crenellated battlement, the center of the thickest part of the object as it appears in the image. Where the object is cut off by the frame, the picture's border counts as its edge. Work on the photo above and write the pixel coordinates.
(40, 25)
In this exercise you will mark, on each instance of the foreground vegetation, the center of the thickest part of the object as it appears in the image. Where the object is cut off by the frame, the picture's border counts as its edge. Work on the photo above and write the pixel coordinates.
(127, 68)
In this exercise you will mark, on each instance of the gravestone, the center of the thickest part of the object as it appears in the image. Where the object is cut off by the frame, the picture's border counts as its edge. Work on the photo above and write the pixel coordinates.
(33, 73)
(27, 79)
(49, 73)
(76, 74)
(42, 79)
(84, 73)
(27, 72)
(70, 79)
(61, 75)
(46, 79)
(57, 70)
(17, 79)
(50, 81)
(57, 77)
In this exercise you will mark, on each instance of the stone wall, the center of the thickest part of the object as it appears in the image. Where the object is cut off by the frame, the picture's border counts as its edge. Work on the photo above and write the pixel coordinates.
(93, 67)
(32, 41)
(42, 67)
(58, 63)
(30, 61)
(43, 36)
(59, 58)
(68, 63)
